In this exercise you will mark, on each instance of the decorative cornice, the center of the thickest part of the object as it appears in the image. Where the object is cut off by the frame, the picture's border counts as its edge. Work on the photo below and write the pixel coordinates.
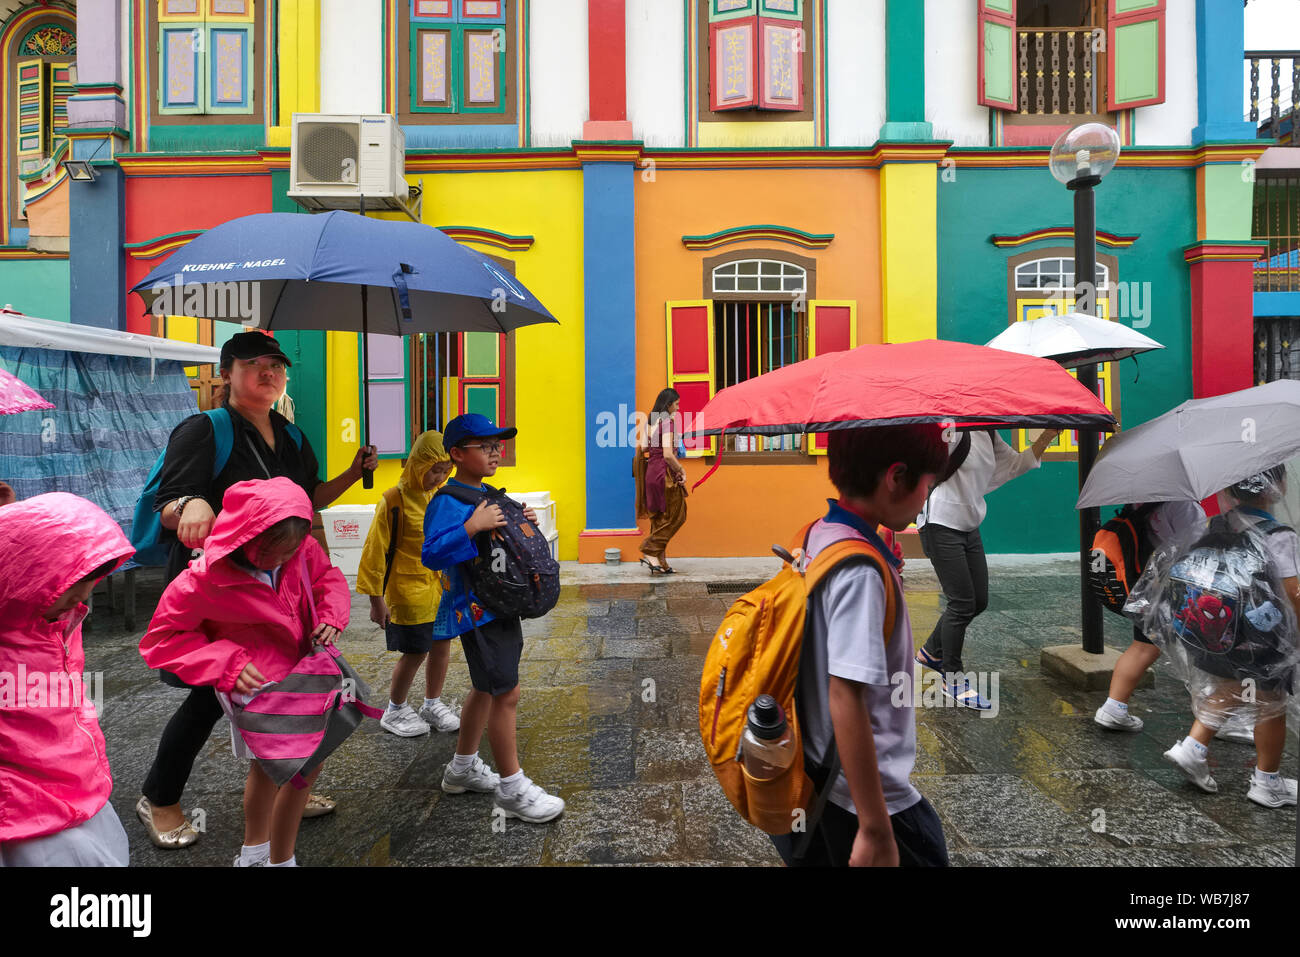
(196, 164)
(98, 88)
(1113, 240)
(275, 159)
(1210, 250)
(22, 252)
(160, 245)
(760, 233)
(1146, 157)
(590, 151)
(488, 237)
(96, 132)
(487, 161)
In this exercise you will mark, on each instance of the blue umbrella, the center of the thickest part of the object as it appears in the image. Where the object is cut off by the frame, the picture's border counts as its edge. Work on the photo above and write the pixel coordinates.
(295, 271)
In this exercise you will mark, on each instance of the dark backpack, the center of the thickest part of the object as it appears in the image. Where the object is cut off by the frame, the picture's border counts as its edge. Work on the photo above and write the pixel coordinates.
(1120, 550)
(1224, 605)
(514, 575)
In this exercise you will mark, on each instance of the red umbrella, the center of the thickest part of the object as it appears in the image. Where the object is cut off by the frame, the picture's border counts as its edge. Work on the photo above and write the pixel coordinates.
(932, 380)
(18, 396)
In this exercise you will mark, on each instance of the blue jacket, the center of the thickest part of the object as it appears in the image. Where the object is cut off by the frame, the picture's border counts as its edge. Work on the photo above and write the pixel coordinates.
(445, 546)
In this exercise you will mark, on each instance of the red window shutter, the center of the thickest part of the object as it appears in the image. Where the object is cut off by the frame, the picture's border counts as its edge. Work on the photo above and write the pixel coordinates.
(691, 365)
(733, 64)
(1135, 53)
(832, 327)
(996, 36)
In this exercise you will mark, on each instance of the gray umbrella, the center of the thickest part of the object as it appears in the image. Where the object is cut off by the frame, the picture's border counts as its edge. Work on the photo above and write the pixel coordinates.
(1198, 448)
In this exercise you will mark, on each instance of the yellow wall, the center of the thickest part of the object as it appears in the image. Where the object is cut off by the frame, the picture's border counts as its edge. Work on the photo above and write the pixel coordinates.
(549, 394)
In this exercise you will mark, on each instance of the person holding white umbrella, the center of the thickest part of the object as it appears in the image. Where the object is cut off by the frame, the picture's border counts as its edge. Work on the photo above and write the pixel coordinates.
(949, 529)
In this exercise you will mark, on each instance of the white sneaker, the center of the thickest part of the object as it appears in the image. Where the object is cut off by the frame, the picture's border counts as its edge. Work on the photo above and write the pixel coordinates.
(479, 777)
(441, 715)
(1195, 766)
(530, 804)
(1117, 720)
(1239, 734)
(1277, 792)
(404, 722)
(263, 862)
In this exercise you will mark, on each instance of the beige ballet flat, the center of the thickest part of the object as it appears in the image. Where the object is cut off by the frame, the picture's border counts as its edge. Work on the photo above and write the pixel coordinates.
(182, 836)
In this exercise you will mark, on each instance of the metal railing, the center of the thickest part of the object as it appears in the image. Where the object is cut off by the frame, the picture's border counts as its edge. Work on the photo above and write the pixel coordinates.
(1057, 69)
(1276, 218)
(1283, 103)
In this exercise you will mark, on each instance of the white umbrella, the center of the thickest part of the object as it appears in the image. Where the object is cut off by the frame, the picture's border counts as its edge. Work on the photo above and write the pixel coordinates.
(1073, 339)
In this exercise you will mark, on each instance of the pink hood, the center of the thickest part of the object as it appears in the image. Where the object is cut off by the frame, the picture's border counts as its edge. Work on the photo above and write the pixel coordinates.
(53, 764)
(249, 509)
(216, 618)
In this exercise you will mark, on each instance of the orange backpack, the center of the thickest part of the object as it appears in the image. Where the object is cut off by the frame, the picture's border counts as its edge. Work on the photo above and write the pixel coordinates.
(756, 650)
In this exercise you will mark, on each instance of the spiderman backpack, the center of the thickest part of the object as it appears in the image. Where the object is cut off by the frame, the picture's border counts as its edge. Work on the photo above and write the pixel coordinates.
(1226, 608)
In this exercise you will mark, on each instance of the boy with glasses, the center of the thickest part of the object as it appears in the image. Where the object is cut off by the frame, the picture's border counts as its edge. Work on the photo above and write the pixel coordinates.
(492, 644)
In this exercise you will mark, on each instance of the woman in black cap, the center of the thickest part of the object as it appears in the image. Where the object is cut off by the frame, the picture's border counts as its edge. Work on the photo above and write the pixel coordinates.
(263, 445)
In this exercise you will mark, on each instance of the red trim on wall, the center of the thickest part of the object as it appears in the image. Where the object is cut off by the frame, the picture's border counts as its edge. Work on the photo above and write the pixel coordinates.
(1223, 321)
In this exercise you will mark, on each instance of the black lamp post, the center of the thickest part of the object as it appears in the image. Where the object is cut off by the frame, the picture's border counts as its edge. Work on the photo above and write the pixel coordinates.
(1079, 159)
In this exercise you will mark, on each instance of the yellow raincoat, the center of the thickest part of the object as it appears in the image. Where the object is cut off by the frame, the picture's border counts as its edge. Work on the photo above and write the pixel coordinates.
(413, 591)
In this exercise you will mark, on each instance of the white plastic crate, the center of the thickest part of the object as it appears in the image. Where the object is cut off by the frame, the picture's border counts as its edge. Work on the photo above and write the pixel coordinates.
(541, 503)
(346, 527)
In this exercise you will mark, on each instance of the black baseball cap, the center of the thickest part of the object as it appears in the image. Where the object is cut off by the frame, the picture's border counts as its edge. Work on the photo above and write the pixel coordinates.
(251, 345)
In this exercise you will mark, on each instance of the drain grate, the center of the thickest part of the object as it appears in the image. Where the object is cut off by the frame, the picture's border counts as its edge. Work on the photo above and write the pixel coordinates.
(732, 588)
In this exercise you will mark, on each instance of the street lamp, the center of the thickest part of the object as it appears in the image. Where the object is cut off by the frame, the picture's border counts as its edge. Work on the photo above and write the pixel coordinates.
(1079, 160)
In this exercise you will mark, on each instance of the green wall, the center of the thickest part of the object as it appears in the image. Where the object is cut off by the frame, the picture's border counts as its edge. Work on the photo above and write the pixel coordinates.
(1035, 513)
(306, 350)
(38, 287)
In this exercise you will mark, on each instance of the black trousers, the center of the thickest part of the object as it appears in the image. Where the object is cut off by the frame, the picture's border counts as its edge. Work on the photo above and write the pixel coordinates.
(958, 559)
(917, 832)
(182, 740)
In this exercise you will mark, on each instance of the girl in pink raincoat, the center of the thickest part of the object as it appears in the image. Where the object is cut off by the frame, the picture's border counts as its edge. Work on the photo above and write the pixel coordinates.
(239, 617)
(54, 775)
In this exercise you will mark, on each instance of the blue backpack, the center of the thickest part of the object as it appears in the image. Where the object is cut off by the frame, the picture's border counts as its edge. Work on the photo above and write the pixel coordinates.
(146, 527)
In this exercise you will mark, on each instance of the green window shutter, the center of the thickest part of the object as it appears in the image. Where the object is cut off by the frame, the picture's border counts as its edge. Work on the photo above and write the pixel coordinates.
(997, 54)
(1135, 44)
(482, 370)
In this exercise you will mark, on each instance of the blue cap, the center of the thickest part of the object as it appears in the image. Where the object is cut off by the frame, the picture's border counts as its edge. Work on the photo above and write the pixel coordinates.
(473, 426)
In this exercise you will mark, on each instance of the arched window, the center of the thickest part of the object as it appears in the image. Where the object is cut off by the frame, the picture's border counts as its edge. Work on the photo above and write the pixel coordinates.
(39, 53)
(760, 276)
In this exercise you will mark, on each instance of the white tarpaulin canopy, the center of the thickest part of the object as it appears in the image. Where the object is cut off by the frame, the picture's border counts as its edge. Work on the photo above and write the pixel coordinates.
(31, 333)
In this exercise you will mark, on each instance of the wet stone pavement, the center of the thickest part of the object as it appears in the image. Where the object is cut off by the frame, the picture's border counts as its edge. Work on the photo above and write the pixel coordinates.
(608, 720)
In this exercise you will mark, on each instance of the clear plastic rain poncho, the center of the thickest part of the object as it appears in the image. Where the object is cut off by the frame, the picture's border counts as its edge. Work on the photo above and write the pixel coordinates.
(1218, 606)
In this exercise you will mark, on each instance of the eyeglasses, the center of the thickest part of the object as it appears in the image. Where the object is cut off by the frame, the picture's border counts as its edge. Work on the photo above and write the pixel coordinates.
(488, 447)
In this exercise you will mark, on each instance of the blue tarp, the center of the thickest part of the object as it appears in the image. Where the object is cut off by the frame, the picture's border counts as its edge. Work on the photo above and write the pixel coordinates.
(110, 422)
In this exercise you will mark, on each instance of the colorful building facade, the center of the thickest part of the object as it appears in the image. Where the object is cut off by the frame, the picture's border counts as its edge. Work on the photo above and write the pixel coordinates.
(699, 190)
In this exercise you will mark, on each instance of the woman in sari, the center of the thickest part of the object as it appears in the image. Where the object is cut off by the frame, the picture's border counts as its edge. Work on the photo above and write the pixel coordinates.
(660, 482)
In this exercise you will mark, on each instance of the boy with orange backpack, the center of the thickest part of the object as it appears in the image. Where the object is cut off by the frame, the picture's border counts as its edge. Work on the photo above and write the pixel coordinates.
(832, 674)
(406, 598)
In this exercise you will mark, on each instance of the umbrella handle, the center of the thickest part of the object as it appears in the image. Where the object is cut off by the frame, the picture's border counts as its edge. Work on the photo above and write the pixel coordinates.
(367, 478)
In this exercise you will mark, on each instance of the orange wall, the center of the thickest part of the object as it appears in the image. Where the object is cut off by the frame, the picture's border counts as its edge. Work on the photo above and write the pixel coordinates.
(744, 509)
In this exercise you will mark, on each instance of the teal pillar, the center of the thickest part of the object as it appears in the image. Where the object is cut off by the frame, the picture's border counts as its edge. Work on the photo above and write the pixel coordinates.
(905, 72)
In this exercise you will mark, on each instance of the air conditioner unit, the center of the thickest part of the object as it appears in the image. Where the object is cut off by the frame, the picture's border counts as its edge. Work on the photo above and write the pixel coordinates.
(336, 159)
